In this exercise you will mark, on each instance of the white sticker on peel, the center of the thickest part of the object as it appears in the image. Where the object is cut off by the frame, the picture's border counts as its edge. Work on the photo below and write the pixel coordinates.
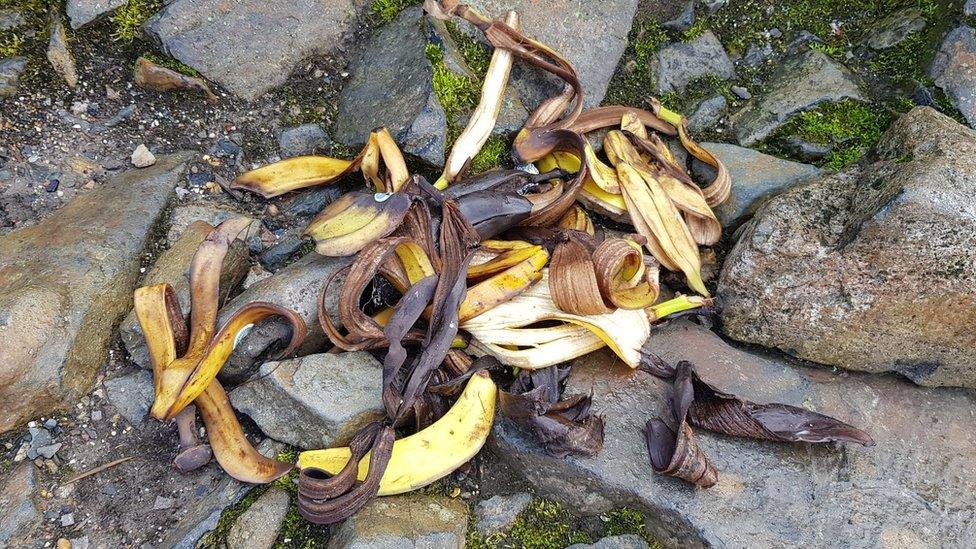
(242, 334)
(381, 197)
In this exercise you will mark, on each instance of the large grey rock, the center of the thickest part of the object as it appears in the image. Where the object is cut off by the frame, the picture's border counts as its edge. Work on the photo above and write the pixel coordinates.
(755, 178)
(10, 19)
(498, 513)
(626, 541)
(409, 520)
(954, 70)
(10, 71)
(18, 515)
(82, 12)
(707, 113)
(257, 527)
(66, 282)
(295, 287)
(391, 86)
(677, 65)
(872, 268)
(895, 28)
(591, 35)
(173, 268)
(910, 490)
(251, 46)
(316, 401)
(801, 83)
(132, 395)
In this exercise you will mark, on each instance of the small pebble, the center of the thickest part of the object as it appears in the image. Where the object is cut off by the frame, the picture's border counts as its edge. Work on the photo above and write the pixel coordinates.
(142, 157)
(162, 503)
(52, 185)
(740, 92)
(96, 415)
(63, 543)
(51, 423)
(67, 519)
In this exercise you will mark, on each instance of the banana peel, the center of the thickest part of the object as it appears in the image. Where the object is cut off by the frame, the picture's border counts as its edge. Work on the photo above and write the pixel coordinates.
(431, 454)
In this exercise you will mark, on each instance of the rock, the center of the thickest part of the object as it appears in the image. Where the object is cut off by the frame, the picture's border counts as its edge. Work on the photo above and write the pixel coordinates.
(173, 268)
(182, 216)
(278, 255)
(807, 151)
(40, 438)
(391, 86)
(80, 543)
(757, 55)
(911, 486)
(590, 35)
(676, 15)
(150, 75)
(626, 541)
(895, 28)
(162, 503)
(67, 281)
(18, 515)
(295, 287)
(82, 12)
(67, 519)
(870, 269)
(10, 19)
(677, 65)
(801, 83)
(132, 395)
(969, 8)
(755, 177)
(257, 527)
(498, 513)
(310, 202)
(59, 54)
(316, 401)
(954, 70)
(202, 513)
(303, 139)
(217, 38)
(740, 92)
(142, 157)
(707, 113)
(10, 71)
(409, 520)
(48, 451)
(711, 6)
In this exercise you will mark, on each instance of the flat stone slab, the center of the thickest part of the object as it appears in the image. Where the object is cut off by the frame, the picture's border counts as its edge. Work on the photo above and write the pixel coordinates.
(82, 12)
(408, 520)
(67, 281)
(913, 489)
(677, 65)
(251, 46)
(755, 178)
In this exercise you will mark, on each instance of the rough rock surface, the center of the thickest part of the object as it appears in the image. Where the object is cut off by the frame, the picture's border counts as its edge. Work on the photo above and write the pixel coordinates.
(295, 287)
(82, 12)
(873, 268)
(173, 268)
(707, 113)
(954, 70)
(184, 214)
(257, 527)
(251, 46)
(970, 7)
(627, 541)
(498, 513)
(316, 401)
(391, 86)
(591, 35)
(910, 490)
(67, 281)
(677, 65)
(10, 71)
(409, 520)
(895, 28)
(755, 177)
(59, 54)
(18, 515)
(801, 83)
(303, 139)
(132, 395)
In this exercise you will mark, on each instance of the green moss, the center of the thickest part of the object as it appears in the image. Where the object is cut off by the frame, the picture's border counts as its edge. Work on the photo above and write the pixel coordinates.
(696, 30)
(850, 127)
(628, 521)
(476, 55)
(298, 532)
(387, 10)
(10, 45)
(129, 18)
(631, 84)
(492, 155)
(456, 93)
(215, 538)
(18, 41)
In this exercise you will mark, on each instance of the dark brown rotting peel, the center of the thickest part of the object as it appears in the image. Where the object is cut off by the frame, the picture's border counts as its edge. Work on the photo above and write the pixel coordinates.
(563, 426)
(152, 76)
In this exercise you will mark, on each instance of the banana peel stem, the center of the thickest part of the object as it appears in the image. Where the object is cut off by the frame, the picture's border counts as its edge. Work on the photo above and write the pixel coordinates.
(675, 305)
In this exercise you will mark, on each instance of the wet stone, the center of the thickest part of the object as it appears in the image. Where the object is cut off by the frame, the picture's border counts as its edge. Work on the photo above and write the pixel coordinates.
(677, 65)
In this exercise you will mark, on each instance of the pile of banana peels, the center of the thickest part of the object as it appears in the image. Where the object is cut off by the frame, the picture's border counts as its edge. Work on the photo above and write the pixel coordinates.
(499, 279)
